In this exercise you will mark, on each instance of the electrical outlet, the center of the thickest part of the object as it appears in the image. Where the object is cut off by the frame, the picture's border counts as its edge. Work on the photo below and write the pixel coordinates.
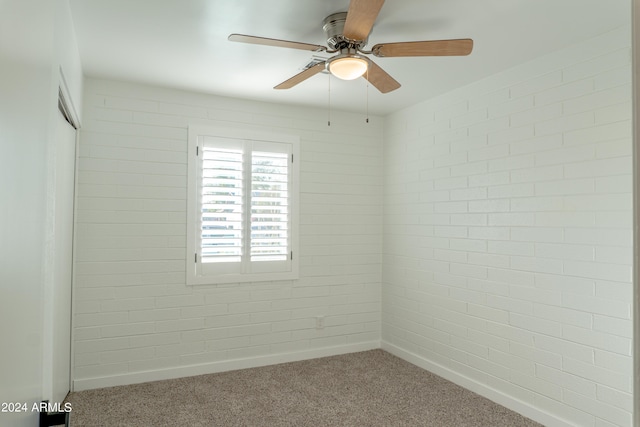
(319, 322)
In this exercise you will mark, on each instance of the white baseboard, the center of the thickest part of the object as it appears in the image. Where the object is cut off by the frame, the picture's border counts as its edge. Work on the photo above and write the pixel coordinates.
(484, 390)
(222, 366)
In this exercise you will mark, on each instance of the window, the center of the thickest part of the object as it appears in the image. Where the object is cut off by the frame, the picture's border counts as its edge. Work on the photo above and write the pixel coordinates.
(242, 206)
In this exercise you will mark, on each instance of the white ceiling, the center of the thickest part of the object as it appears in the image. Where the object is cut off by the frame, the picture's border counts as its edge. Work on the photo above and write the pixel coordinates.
(183, 43)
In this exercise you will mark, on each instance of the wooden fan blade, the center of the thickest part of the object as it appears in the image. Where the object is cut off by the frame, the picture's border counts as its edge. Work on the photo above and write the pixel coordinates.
(275, 42)
(360, 18)
(300, 77)
(424, 48)
(380, 79)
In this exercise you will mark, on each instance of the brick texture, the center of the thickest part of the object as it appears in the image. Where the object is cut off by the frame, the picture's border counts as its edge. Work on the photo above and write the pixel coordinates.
(133, 310)
(522, 282)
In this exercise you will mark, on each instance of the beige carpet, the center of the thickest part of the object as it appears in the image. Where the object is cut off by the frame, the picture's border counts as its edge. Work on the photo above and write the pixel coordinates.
(371, 388)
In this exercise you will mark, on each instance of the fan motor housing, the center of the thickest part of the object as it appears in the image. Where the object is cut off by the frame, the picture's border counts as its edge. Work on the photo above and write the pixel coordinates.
(333, 26)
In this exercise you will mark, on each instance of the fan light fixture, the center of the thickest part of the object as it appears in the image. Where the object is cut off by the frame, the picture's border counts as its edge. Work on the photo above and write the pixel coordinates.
(348, 67)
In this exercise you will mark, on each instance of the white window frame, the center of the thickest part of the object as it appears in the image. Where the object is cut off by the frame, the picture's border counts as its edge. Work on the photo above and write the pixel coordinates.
(199, 273)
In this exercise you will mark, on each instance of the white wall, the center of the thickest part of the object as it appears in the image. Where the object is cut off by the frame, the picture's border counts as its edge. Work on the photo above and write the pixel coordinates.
(508, 235)
(34, 46)
(136, 320)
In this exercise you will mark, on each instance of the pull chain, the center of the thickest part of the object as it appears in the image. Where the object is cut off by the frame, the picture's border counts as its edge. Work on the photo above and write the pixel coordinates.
(367, 95)
(329, 101)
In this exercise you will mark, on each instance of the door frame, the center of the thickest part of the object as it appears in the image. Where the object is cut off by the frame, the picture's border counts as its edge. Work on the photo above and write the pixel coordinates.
(72, 116)
(65, 106)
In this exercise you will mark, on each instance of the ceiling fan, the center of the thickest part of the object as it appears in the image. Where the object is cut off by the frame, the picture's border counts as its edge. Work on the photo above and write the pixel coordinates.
(347, 34)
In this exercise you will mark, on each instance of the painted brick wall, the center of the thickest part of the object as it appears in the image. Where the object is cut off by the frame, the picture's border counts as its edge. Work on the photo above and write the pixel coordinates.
(136, 320)
(507, 251)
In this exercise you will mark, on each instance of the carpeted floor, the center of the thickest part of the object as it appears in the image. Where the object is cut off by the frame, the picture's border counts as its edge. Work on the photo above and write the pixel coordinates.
(371, 388)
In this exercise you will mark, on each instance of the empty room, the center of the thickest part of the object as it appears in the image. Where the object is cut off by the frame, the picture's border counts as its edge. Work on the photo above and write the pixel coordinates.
(330, 212)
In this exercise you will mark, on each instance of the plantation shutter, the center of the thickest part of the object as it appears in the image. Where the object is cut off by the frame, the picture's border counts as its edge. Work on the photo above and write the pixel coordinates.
(269, 206)
(222, 203)
(244, 212)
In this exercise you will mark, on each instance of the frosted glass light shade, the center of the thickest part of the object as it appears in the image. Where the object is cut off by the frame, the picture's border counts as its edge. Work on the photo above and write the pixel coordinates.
(349, 67)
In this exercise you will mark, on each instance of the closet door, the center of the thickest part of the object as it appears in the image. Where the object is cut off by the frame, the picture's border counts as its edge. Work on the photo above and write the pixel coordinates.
(63, 258)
